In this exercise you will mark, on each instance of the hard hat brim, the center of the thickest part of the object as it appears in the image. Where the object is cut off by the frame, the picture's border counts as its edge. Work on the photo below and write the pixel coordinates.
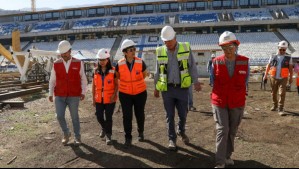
(230, 42)
(167, 39)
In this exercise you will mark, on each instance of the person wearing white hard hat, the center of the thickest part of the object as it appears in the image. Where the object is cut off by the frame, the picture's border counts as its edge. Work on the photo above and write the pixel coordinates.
(104, 92)
(131, 72)
(209, 66)
(230, 74)
(68, 84)
(176, 71)
(280, 69)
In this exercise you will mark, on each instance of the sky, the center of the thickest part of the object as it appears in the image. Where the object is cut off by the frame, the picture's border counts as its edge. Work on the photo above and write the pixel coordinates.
(54, 4)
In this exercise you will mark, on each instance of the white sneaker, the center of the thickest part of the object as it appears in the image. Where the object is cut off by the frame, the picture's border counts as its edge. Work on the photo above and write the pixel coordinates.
(281, 112)
(229, 162)
(66, 138)
(220, 166)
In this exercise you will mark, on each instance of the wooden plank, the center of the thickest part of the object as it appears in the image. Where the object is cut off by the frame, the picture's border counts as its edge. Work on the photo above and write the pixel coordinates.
(14, 94)
(14, 104)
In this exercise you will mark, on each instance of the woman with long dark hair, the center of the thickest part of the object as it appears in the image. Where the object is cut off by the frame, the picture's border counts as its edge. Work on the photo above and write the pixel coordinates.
(104, 91)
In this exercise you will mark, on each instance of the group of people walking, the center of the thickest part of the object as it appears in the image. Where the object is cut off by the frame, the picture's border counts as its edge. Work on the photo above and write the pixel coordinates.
(176, 74)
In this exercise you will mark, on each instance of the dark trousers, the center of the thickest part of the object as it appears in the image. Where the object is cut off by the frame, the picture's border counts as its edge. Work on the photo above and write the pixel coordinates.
(298, 89)
(127, 103)
(104, 113)
(177, 98)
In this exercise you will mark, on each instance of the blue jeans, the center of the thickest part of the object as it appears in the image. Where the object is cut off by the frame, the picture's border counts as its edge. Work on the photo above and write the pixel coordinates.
(73, 103)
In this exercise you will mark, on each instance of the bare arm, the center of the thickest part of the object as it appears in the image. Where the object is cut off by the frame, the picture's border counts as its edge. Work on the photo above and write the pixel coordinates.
(267, 72)
(291, 73)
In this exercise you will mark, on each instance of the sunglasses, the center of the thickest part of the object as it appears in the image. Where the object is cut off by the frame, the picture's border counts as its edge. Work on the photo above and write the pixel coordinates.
(131, 50)
(283, 50)
(228, 47)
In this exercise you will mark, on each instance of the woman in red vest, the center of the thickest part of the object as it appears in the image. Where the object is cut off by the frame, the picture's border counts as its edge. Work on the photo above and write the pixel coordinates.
(104, 91)
(230, 73)
(131, 72)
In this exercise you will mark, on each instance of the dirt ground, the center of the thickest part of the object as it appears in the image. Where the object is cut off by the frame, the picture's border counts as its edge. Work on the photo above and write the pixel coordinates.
(265, 139)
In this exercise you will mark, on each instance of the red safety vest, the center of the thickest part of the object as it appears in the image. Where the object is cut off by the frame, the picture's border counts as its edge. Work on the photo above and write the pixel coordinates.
(104, 92)
(131, 83)
(68, 84)
(229, 92)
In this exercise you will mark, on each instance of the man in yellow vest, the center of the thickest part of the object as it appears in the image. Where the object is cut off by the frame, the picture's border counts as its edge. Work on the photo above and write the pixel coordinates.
(280, 68)
(176, 71)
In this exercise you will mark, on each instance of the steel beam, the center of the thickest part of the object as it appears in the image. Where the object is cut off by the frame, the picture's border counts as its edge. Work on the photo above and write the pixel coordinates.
(15, 94)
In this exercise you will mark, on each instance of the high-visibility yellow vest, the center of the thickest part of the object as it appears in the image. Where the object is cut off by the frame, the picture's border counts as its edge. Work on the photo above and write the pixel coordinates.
(183, 57)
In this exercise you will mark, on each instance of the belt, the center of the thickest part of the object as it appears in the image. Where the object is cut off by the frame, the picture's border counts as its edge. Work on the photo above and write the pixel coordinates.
(173, 85)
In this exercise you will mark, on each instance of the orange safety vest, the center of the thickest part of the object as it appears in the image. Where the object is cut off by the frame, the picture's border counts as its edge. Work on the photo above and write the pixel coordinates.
(284, 67)
(104, 92)
(131, 82)
(68, 84)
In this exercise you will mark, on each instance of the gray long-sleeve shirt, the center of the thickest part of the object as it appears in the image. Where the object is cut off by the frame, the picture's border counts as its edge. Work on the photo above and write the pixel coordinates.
(173, 71)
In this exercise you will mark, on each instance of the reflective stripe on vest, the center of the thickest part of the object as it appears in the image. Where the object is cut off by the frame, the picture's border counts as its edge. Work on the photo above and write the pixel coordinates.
(107, 91)
(284, 67)
(183, 57)
(68, 84)
(131, 82)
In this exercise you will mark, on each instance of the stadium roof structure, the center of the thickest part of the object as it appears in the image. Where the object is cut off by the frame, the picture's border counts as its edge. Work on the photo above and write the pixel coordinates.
(120, 2)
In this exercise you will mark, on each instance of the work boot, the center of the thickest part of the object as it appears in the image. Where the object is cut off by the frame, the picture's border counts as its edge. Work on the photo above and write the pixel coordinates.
(66, 138)
(128, 142)
(172, 145)
(220, 166)
(229, 162)
(281, 112)
(77, 142)
(274, 108)
(183, 137)
(140, 137)
(108, 140)
(102, 134)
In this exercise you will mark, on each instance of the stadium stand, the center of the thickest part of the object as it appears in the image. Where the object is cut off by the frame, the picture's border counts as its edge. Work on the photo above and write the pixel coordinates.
(252, 15)
(292, 12)
(91, 23)
(47, 27)
(292, 35)
(198, 18)
(6, 29)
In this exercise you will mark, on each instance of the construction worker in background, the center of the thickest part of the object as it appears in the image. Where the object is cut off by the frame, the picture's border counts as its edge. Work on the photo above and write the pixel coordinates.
(176, 70)
(280, 68)
(104, 92)
(230, 74)
(68, 83)
(131, 72)
(209, 66)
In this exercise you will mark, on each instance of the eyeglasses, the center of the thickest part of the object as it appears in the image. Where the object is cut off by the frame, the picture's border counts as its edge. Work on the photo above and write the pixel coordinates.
(131, 50)
(283, 50)
(228, 47)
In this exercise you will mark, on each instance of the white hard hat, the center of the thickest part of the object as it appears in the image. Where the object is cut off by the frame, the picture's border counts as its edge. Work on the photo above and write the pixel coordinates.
(63, 47)
(103, 54)
(127, 43)
(283, 44)
(213, 55)
(228, 37)
(167, 33)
